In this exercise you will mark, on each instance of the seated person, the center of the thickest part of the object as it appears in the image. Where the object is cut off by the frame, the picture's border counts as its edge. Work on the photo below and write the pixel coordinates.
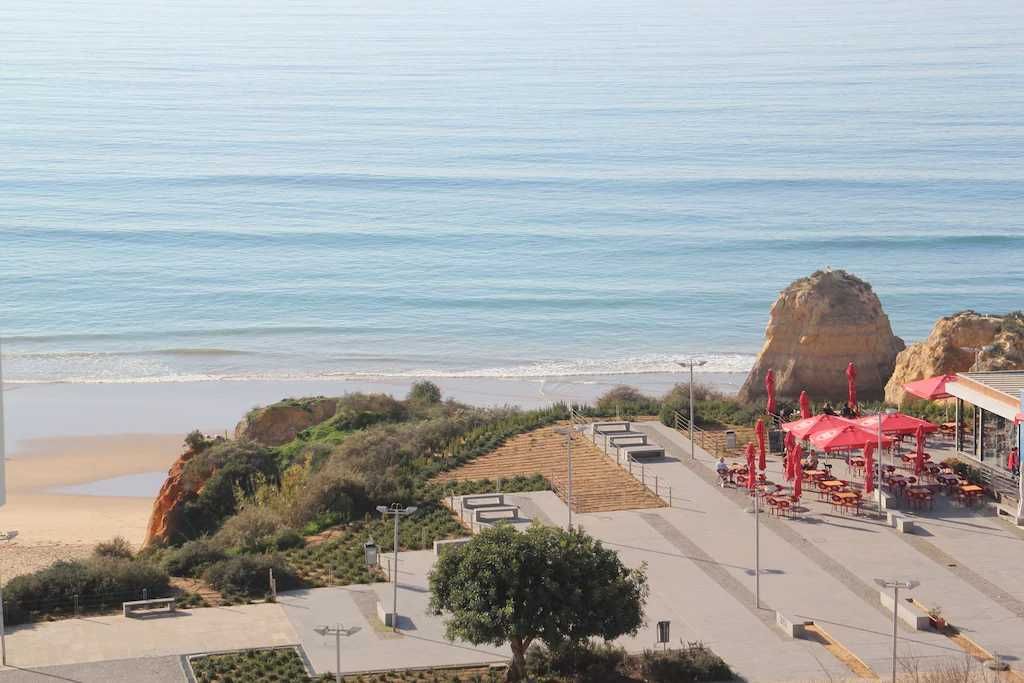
(847, 412)
(811, 463)
(827, 409)
(723, 471)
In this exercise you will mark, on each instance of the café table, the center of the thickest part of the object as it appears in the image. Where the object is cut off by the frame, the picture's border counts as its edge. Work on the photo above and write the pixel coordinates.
(848, 499)
(970, 492)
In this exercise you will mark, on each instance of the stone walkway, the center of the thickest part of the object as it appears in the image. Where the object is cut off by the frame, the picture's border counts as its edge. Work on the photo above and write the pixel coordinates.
(142, 670)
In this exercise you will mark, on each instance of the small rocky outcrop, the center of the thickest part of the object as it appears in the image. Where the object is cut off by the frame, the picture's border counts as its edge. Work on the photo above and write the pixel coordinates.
(816, 327)
(279, 423)
(958, 343)
(172, 496)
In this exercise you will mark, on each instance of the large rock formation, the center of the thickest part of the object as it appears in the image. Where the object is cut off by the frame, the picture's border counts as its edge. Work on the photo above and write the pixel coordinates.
(958, 343)
(279, 423)
(172, 496)
(818, 325)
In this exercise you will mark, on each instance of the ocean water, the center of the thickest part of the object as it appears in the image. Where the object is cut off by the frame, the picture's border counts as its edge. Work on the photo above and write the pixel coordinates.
(320, 188)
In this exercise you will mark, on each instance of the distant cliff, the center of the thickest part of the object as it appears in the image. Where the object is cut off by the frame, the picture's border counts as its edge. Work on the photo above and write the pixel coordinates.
(815, 328)
(279, 423)
(964, 341)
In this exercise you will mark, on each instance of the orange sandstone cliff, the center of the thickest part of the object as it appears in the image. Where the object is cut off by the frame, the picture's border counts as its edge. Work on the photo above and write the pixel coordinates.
(172, 496)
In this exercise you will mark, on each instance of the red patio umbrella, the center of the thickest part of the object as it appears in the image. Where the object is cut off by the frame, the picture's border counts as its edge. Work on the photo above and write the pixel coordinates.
(804, 429)
(759, 431)
(789, 444)
(846, 438)
(769, 387)
(751, 467)
(896, 423)
(798, 473)
(919, 459)
(851, 385)
(869, 467)
(932, 388)
(805, 405)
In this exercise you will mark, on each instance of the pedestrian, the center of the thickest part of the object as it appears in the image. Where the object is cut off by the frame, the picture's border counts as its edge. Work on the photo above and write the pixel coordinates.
(1013, 461)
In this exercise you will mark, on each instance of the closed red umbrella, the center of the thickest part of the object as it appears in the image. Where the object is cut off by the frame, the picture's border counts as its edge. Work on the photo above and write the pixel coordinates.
(869, 467)
(919, 460)
(751, 467)
(932, 388)
(798, 472)
(851, 385)
(762, 464)
(790, 445)
(769, 387)
(805, 405)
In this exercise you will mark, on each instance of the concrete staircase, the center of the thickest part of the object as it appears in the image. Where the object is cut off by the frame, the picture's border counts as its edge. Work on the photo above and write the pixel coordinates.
(598, 484)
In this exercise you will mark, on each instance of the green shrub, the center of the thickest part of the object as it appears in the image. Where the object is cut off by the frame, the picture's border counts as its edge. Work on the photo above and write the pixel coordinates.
(253, 530)
(288, 539)
(710, 407)
(588, 661)
(192, 558)
(117, 547)
(694, 663)
(627, 401)
(249, 575)
(424, 392)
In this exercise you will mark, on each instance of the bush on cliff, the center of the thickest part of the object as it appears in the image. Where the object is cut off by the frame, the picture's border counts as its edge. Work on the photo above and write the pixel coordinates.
(192, 558)
(627, 401)
(98, 582)
(710, 407)
(118, 547)
(249, 575)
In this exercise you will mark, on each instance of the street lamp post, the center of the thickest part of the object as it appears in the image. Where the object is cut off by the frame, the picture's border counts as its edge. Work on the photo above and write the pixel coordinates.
(337, 631)
(396, 511)
(4, 536)
(878, 460)
(690, 363)
(568, 433)
(896, 586)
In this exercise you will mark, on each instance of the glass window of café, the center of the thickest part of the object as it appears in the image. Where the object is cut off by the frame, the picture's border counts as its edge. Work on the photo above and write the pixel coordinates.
(994, 437)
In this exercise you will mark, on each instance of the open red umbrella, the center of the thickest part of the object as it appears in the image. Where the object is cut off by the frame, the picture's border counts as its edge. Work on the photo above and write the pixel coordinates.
(751, 467)
(919, 459)
(798, 473)
(769, 387)
(931, 388)
(759, 431)
(869, 467)
(804, 429)
(846, 438)
(805, 405)
(896, 423)
(851, 385)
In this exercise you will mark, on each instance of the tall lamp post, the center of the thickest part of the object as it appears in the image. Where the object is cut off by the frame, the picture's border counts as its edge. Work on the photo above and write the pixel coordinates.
(878, 460)
(896, 586)
(4, 536)
(337, 631)
(690, 364)
(396, 511)
(568, 432)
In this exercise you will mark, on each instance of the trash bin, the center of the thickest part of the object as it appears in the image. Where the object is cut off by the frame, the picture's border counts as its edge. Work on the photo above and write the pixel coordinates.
(776, 441)
(730, 439)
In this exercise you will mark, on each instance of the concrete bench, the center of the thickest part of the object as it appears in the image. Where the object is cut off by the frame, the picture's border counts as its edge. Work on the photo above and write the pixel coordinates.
(610, 428)
(792, 628)
(909, 613)
(384, 615)
(1009, 512)
(483, 500)
(648, 452)
(447, 544)
(634, 439)
(900, 523)
(133, 607)
(494, 514)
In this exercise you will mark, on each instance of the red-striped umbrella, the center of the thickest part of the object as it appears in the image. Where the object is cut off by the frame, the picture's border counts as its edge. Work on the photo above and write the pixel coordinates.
(851, 385)
(805, 405)
(762, 464)
(919, 460)
(751, 467)
(798, 472)
(869, 467)
(769, 387)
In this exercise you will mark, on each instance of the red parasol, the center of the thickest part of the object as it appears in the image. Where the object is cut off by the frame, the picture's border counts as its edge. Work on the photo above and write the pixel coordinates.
(798, 472)
(805, 405)
(919, 460)
(769, 387)
(896, 423)
(851, 385)
(804, 429)
(790, 445)
(751, 467)
(869, 467)
(846, 438)
(759, 431)
(932, 388)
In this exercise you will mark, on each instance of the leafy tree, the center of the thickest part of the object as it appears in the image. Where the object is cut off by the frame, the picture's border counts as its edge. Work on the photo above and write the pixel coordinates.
(425, 392)
(543, 584)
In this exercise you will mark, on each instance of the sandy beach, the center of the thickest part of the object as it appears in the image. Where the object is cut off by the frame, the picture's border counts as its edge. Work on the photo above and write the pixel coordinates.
(61, 435)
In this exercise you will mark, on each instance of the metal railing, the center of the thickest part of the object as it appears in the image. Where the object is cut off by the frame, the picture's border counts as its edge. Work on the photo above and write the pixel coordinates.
(650, 483)
(558, 485)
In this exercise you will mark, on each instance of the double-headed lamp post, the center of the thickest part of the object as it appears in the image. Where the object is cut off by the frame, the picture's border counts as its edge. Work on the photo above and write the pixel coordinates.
(878, 460)
(568, 433)
(896, 586)
(4, 536)
(337, 631)
(691, 363)
(397, 511)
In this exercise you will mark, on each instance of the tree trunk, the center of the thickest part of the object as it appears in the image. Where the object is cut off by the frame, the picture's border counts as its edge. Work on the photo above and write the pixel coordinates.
(517, 670)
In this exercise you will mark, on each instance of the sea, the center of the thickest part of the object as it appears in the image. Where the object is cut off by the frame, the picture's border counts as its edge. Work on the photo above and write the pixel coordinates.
(312, 189)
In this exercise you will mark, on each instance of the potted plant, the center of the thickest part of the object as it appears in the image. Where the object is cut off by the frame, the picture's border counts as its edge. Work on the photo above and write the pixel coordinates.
(936, 618)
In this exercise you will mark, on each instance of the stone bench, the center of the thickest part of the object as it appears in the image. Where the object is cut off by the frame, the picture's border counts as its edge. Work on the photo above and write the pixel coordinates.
(909, 613)
(447, 544)
(1009, 512)
(134, 607)
(483, 500)
(495, 514)
(384, 615)
(900, 523)
(633, 439)
(612, 428)
(789, 626)
(648, 452)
